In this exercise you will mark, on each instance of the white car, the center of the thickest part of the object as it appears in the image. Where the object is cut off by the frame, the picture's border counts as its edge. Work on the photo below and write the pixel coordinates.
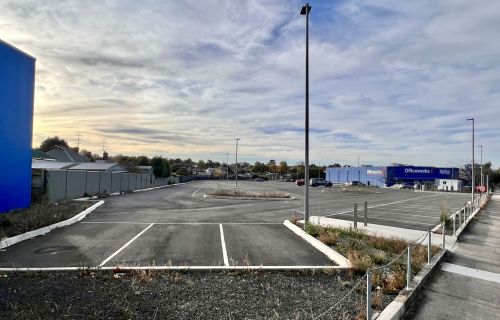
(316, 182)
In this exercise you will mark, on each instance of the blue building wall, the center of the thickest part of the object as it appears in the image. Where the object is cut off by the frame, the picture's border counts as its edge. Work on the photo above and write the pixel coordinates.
(373, 176)
(17, 79)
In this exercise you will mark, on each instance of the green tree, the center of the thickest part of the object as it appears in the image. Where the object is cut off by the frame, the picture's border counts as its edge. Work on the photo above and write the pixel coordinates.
(53, 143)
(161, 167)
(283, 168)
(143, 161)
(259, 167)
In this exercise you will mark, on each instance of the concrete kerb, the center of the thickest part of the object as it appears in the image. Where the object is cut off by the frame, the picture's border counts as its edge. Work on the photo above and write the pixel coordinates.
(396, 309)
(168, 268)
(343, 262)
(38, 232)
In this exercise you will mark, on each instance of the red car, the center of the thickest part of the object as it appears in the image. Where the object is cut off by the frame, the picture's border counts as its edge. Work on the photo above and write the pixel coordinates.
(299, 182)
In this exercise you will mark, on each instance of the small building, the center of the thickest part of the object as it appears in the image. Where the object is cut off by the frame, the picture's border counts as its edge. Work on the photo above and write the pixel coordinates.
(449, 184)
(98, 166)
(145, 169)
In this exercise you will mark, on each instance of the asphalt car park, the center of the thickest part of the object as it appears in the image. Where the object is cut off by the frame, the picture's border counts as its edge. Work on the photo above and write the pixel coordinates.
(182, 226)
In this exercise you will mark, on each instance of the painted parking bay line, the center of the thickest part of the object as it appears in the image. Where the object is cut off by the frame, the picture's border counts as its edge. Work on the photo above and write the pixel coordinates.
(381, 205)
(223, 244)
(125, 245)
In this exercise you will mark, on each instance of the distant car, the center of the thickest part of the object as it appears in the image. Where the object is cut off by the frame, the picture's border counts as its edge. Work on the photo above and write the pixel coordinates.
(358, 184)
(259, 179)
(408, 185)
(299, 182)
(316, 182)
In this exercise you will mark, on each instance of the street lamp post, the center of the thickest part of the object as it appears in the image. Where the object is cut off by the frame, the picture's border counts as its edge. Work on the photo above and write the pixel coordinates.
(482, 179)
(305, 11)
(236, 164)
(472, 174)
(227, 168)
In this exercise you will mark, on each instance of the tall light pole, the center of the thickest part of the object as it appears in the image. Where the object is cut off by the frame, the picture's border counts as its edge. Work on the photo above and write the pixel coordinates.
(236, 164)
(227, 167)
(482, 180)
(305, 12)
(472, 174)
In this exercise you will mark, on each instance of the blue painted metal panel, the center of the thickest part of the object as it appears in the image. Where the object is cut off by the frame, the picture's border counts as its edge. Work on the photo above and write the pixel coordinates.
(17, 79)
(373, 176)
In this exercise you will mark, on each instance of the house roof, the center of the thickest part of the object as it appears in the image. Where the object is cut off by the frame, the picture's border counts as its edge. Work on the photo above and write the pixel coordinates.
(66, 155)
(50, 164)
(97, 166)
(37, 154)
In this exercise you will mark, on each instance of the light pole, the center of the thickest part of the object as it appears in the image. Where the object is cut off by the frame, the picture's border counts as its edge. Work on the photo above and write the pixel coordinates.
(227, 168)
(482, 179)
(305, 12)
(472, 174)
(236, 164)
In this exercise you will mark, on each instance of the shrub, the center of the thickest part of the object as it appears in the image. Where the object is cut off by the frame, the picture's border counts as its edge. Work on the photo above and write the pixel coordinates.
(328, 238)
(360, 262)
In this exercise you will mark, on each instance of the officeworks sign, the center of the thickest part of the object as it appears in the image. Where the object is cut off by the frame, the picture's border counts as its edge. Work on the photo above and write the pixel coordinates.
(420, 173)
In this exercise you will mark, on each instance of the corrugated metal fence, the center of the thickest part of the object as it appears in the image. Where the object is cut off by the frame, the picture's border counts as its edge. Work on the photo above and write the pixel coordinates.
(67, 184)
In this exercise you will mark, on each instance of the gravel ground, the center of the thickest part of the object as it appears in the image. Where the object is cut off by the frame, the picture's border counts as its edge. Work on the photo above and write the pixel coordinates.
(180, 295)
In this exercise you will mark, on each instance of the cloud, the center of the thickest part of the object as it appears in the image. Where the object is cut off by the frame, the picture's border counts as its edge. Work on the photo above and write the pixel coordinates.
(391, 81)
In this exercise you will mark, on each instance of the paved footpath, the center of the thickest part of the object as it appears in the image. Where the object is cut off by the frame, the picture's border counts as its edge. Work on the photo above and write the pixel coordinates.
(468, 284)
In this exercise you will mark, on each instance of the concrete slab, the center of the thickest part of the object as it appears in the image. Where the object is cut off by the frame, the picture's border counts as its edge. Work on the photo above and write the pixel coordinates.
(77, 245)
(190, 245)
(270, 245)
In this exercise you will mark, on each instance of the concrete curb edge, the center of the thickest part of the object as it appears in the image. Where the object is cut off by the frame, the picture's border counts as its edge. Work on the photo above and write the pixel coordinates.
(333, 255)
(38, 232)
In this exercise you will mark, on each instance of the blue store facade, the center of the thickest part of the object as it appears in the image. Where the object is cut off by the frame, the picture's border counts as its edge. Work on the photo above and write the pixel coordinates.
(388, 176)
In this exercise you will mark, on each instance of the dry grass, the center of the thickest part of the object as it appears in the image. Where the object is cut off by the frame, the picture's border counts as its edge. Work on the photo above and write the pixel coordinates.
(328, 238)
(394, 281)
(360, 261)
(391, 245)
(378, 299)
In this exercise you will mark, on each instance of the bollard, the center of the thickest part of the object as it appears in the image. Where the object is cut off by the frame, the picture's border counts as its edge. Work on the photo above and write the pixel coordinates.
(368, 295)
(460, 218)
(429, 246)
(366, 213)
(444, 233)
(408, 269)
(355, 216)
(454, 226)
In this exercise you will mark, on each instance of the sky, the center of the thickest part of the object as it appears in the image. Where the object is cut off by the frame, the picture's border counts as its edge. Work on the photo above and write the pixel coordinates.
(390, 80)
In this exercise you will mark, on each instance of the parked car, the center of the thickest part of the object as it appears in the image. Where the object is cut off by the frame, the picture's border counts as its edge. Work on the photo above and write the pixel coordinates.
(408, 185)
(316, 182)
(299, 182)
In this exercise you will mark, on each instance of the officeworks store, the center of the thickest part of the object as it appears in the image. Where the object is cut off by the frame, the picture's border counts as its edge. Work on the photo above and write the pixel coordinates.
(388, 176)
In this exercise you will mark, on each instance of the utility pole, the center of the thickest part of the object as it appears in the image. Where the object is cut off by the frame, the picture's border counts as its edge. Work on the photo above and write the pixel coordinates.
(473, 182)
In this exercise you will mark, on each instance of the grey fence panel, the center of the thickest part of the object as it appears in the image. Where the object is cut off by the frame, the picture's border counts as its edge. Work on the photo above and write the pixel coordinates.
(56, 185)
(138, 182)
(132, 182)
(92, 185)
(76, 183)
(124, 183)
(145, 181)
(105, 182)
(116, 181)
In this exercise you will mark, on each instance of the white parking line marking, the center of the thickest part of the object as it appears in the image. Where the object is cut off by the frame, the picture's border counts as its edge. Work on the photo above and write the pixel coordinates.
(380, 205)
(223, 242)
(470, 272)
(125, 245)
(194, 193)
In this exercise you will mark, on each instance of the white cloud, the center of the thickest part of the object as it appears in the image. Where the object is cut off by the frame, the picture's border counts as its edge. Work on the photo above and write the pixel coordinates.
(390, 80)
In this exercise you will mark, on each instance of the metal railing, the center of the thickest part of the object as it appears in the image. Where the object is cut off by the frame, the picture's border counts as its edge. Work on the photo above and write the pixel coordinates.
(464, 214)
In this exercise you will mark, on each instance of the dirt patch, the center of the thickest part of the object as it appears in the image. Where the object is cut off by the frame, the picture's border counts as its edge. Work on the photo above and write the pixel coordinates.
(180, 295)
(39, 215)
(247, 194)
